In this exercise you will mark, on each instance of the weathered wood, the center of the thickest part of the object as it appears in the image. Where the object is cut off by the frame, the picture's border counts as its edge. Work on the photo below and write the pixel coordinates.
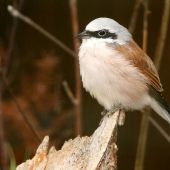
(97, 152)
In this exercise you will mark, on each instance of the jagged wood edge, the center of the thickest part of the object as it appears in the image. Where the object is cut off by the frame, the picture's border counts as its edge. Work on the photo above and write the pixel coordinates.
(96, 152)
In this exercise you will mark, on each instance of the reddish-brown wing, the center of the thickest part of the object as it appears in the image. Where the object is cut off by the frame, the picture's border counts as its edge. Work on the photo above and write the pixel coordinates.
(140, 60)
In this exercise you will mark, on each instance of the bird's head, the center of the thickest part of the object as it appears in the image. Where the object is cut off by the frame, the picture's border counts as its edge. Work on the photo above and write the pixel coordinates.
(105, 30)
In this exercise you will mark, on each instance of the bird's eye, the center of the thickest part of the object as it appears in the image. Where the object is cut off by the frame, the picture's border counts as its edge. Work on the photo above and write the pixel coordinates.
(102, 33)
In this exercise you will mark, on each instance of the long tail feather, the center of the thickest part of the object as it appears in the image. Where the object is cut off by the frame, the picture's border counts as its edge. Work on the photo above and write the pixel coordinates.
(159, 104)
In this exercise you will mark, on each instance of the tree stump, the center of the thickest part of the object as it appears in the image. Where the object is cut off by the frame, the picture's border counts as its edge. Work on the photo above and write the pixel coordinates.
(97, 152)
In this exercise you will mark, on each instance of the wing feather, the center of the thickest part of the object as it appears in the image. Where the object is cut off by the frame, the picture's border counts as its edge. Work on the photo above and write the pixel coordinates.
(140, 60)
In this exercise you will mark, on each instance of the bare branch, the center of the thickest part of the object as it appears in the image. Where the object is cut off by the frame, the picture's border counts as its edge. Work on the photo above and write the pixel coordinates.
(78, 95)
(132, 24)
(159, 128)
(3, 154)
(27, 20)
(145, 26)
(141, 148)
(162, 35)
(19, 107)
(69, 92)
(12, 39)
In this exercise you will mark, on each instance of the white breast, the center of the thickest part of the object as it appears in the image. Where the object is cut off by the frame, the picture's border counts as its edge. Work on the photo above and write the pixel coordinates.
(110, 78)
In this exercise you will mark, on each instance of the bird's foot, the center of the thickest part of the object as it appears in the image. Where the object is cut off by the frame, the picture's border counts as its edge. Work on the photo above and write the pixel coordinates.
(103, 113)
(108, 113)
(112, 111)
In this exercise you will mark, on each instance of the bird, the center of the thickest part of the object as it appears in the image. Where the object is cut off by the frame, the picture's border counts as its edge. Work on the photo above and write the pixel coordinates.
(116, 71)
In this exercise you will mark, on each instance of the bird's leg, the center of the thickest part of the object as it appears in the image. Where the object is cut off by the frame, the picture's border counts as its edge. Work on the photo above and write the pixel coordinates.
(109, 113)
(121, 120)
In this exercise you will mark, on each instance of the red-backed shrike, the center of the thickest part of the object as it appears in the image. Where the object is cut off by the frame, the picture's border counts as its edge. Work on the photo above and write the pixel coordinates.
(116, 71)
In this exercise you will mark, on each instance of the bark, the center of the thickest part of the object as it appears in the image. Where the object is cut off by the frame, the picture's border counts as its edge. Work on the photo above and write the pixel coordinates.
(97, 152)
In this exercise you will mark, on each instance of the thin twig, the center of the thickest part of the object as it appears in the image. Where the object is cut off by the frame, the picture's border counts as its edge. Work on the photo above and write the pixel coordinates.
(141, 148)
(145, 26)
(69, 93)
(12, 39)
(3, 155)
(74, 19)
(162, 35)
(27, 20)
(159, 128)
(19, 107)
(132, 24)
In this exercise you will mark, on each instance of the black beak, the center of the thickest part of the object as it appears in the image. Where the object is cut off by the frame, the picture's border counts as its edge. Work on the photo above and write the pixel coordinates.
(83, 35)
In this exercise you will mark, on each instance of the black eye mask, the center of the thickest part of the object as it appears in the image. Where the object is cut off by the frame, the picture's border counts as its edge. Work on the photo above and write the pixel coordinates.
(102, 34)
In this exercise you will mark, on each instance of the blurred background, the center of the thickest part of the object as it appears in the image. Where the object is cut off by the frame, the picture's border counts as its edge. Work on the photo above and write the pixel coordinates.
(35, 68)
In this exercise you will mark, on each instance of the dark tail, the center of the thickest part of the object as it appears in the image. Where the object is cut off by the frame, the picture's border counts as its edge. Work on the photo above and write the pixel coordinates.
(159, 104)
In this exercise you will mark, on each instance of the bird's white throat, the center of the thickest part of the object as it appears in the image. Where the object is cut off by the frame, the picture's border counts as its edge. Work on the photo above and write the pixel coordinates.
(91, 42)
